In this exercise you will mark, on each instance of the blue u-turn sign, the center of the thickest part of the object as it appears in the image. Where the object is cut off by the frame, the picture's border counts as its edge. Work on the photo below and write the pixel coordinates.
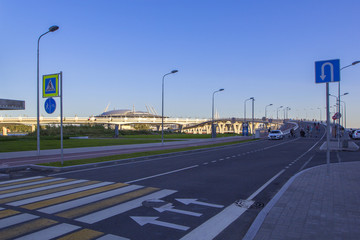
(327, 71)
(50, 105)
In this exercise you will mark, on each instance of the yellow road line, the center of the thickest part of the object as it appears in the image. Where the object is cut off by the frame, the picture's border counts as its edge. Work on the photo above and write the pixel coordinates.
(82, 234)
(25, 181)
(21, 229)
(35, 186)
(7, 212)
(69, 197)
(105, 203)
(44, 192)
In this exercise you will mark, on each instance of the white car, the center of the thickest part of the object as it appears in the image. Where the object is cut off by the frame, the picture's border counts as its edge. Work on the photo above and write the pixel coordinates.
(356, 134)
(275, 134)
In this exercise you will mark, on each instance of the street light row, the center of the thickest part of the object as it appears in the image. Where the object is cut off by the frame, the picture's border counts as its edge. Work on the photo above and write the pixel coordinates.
(213, 132)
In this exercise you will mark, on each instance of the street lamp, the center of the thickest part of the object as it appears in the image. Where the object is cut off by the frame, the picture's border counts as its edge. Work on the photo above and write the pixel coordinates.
(213, 129)
(162, 105)
(320, 113)
(245, 107)
(344, 112)
(277, 112)
(51, 29)
(266, 108)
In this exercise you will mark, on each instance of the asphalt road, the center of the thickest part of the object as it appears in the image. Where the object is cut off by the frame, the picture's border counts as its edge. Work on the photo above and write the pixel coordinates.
(194, 193)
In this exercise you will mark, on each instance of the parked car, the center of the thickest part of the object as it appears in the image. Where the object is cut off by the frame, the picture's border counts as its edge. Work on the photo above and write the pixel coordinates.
(275, 134)
(356, 134)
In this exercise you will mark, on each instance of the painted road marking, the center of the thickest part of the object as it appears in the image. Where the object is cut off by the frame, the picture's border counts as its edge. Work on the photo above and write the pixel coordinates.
(170, 208)
(47, 180)
(152, 220)
(212, 227)
(82, 234)
(34, 186)
(162, 174)
(39, 189)
(23, 228)
(44, 192)
(188, 201)
(86, 200)
(103, 204)
(57, 194)
(16, 181)
(20, 218)
(124, 207)
(111, 237)
(50, 232)
(7, 212)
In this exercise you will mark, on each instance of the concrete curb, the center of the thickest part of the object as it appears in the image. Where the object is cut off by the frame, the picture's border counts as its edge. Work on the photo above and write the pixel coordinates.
(255, 226)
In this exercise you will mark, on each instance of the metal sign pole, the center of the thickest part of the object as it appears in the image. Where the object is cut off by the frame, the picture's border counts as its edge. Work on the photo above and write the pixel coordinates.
(327, 128)
(61, 117)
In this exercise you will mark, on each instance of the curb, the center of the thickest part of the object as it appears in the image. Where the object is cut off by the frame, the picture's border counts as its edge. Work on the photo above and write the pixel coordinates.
(255, 226)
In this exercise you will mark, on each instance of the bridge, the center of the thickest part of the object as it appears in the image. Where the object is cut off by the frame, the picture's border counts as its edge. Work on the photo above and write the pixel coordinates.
(187, 125)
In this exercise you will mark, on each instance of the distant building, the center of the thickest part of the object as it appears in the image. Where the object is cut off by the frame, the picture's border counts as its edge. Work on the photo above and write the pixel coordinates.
(127, 113)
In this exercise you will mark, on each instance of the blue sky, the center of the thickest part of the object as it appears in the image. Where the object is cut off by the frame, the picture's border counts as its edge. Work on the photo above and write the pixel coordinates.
(117, 51)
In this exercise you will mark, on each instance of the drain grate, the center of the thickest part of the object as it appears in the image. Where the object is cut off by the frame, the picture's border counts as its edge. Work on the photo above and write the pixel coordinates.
(257, 205)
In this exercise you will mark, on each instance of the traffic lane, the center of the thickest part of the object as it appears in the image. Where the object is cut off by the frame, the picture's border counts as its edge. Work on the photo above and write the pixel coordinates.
(234, 178)
(212, 192)
(144, 168)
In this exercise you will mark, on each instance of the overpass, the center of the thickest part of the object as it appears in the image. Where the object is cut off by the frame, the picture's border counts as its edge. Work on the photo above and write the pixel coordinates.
(187, 125)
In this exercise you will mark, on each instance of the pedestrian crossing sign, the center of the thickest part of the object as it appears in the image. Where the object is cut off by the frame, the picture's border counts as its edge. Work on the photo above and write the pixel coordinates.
(51, 85)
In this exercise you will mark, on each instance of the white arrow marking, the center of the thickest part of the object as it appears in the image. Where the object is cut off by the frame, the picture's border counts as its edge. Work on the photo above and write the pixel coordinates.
(323, 76)
(170, 208)
(152, 220)
(187, 201)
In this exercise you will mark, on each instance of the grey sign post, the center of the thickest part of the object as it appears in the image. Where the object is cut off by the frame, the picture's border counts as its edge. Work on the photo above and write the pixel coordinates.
(326, 72)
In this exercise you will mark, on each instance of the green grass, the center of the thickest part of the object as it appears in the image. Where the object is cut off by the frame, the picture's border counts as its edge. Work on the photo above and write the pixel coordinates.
(29, 144)
(178, 135)
(134, 155)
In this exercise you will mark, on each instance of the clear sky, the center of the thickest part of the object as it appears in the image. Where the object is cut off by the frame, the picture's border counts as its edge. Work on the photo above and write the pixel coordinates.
(117, 51)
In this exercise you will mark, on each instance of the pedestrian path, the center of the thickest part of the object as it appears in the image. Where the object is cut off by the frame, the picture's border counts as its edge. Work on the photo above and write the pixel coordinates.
(42, 207)
(318, 203)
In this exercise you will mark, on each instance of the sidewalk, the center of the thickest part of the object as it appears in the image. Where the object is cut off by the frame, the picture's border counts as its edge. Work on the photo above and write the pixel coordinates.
(318, 203)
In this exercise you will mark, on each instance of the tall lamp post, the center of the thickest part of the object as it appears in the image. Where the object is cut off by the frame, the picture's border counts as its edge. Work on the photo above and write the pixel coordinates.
(320, 113)
(352, 64)
(277, 112)
(338, 110)
(213, 129)
(245, 107)
(344, 112)
(266, 109)
(51, 29)
(162, 105)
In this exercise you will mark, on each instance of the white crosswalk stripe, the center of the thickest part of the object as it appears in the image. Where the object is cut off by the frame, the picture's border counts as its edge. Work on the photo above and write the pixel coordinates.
(99, 195)
(40, 189)
(58, 194)
(50, 232)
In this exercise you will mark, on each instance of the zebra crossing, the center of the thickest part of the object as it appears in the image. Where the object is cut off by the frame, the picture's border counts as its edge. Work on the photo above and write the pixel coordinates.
(60, 208)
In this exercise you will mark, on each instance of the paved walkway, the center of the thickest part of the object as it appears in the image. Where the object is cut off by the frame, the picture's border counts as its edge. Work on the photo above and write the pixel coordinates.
(318, 203)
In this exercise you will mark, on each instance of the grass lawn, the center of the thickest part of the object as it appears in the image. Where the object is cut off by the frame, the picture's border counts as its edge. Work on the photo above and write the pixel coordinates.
(175, 135)
(26, 144)
(134, 155)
